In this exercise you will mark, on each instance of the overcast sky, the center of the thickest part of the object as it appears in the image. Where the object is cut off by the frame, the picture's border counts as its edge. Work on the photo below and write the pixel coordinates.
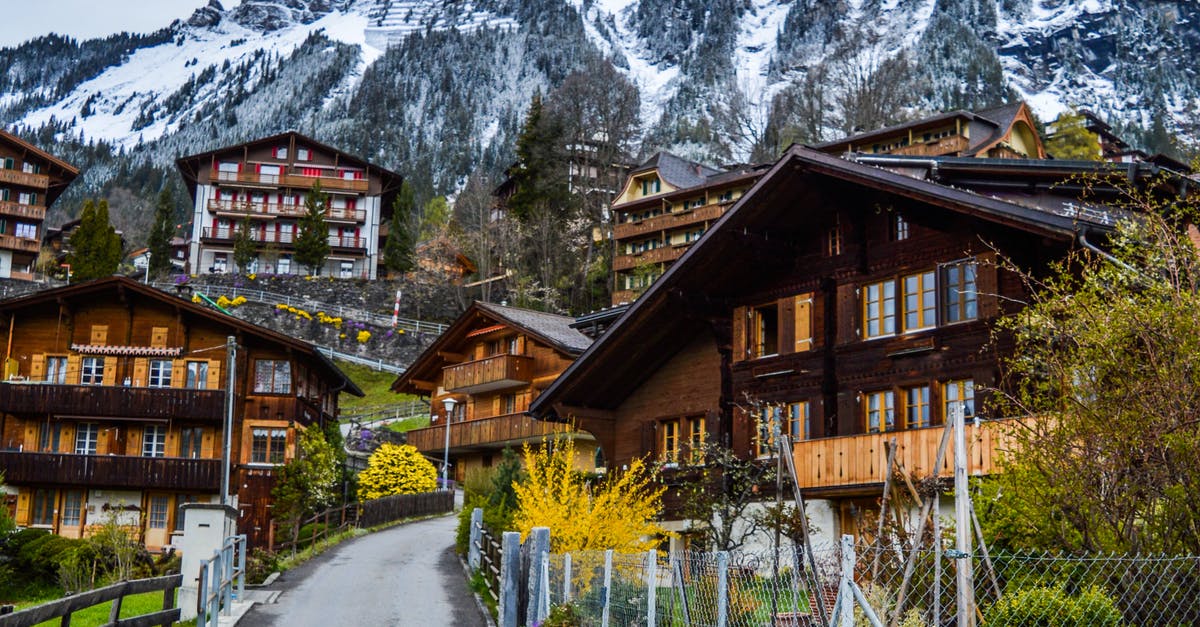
(87, 19)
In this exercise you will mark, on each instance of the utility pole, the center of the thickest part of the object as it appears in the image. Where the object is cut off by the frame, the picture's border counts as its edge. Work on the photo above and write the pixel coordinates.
(227, 447)
(964, 578)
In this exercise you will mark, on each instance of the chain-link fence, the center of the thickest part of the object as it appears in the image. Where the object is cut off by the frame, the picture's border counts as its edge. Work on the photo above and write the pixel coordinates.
(907, 589)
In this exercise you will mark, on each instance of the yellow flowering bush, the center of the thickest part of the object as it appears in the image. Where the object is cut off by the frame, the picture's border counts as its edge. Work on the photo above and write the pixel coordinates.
(196, 299)
(396, 469)
(225, 303)
(363, 336)
(325, 318)
(617, 512)
(252, 276)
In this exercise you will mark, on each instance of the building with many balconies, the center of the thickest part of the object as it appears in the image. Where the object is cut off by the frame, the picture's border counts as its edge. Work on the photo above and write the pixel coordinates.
(113, 403)
(266, 181)
(493, 361)
(30, 181)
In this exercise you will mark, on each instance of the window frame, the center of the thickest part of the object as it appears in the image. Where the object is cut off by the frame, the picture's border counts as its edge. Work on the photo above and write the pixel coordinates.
(964, 392)
(196, 374)
(696, 426)
(156, 377)
(882, 403)
(926, 287)
(91, 370)
(85, 445)
(157, 511)
(757, 330)
(72, 508)
(191, 442)
(965, 305)
(280, 376)
(920, 403)
(272, 455)
(154, 441)
(668, 440)
(796, 420)
(880, 301)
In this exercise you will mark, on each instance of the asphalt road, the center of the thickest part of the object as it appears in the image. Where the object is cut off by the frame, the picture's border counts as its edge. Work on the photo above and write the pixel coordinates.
(406, 575)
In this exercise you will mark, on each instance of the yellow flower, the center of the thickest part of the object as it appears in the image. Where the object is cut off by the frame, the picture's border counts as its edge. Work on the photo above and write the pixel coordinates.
(196, 299)
(363, 336)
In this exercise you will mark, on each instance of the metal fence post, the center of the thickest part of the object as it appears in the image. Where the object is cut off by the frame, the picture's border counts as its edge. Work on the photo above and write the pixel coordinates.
(241, 595)
(608, 555)
(510, 574)
(963, 566)
(722, 588)
(846, 593)
(539, 547)
(651, 587)
(227, 577)
(214, 605)
(202, 596)
(473, 545)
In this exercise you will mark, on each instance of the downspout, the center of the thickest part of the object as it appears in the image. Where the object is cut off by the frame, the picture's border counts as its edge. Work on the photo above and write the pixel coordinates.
(1083, 241)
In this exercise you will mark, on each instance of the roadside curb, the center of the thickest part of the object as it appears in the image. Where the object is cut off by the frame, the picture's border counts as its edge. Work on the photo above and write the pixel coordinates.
(483, 611)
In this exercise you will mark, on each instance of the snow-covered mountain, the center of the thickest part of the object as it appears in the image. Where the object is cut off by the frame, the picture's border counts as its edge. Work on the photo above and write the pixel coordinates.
(437, 88)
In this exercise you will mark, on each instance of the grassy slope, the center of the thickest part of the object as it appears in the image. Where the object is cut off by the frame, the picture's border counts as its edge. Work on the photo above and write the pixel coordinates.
(379, 397)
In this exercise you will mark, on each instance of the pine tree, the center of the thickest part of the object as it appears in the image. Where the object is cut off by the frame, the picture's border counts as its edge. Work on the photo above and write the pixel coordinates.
(159, 240)
(312, 242)
(95, 245)
(244, 247)
(399, 249)
(538, 177)
(434, 218)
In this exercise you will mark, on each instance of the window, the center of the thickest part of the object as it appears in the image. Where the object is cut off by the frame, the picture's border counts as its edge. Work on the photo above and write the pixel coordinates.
(85, 438)
(879, 309)
(56, 370)
(158, 511)
(31, 168)
(790, 419)
(669, 443)
(49, 437)
(280, 152)
(92, 372)
(43, 507)
(220, 262)
(833, 241)
(957, 291)
(954, 392)
(920, 300)
(267, 446)
(899, 228)
(881, 414)
(346, 269)
(508, 404)
(154, 441)
(764, 331)
(197, 375)
(72, 508)
(272, 376)
(916, 407)
(160, 373)
(651, 186)
(27, 198)
(190, 440)
(303, 154)
(697, 437)
(514, 346)
(26, 230)
(9, 163)
(285, 263)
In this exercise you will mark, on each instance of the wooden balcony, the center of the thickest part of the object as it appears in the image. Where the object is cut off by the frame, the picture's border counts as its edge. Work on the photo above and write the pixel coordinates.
(297, 181)
(230, 234)
(664, 254)
(112, 401)
(951, 145)
(17, 177)
(668, 222)
(111, 471)
(237, 208)
(348, 242)
(860, 461)
(24, 244)
(484, 433)
(31, 212)
(490, 373)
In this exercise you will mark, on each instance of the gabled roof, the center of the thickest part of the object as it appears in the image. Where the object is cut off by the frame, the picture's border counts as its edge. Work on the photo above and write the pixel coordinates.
(709, 274)
(103, 288)
(69, 172)
(676, 171)
(550, 329)
(184, 164)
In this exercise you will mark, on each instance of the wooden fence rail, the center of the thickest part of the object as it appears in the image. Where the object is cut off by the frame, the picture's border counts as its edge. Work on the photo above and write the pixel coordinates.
(63, 608)
(370, 514)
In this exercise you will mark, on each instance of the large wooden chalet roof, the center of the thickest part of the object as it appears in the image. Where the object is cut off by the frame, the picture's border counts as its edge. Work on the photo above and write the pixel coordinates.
(758, 237)
(550, 329)
(62, 173)
(124, 289)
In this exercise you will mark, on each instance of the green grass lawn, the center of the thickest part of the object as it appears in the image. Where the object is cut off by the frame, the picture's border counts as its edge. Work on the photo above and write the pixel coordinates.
(377, 385)
(133, 605)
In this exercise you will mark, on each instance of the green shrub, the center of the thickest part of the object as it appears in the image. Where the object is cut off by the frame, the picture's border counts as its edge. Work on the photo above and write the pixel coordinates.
(260, 564)
(1052, 607)
(563, 615)
(310, 533)
(43, 557)
(14, 542)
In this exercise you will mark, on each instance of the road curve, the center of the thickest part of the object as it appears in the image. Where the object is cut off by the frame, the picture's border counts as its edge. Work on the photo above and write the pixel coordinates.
(406, 575)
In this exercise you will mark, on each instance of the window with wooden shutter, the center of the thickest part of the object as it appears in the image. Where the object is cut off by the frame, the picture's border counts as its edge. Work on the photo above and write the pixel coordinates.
(739, 334)
(37, 368)
(74, 368)
(99, 334)
(214, 374)
(140, 366)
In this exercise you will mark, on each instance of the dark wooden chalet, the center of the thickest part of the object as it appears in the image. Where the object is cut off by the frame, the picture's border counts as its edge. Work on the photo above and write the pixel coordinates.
(493, 361)
(845, 301)
(114, 399)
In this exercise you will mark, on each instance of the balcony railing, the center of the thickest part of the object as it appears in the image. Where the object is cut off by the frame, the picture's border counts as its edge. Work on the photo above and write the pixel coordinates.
(490, 373)
(347, 241)
(657, 255)
(111, 471)
(230, 234)
(32, 212)
(298, 181)
(495, 432)
(944, 146)
(668, 221)
(17, 177)
(111, 401)
(861, 460)
(272, 210)
(12, 242)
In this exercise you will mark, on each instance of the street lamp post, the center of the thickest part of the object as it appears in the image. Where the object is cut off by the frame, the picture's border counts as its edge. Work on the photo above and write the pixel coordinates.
(449, 403)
